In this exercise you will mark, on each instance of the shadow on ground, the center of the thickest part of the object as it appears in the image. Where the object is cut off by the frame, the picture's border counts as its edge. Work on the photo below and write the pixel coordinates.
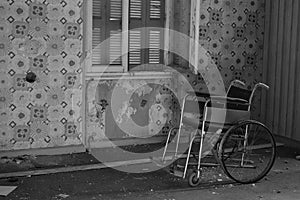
(113, 184)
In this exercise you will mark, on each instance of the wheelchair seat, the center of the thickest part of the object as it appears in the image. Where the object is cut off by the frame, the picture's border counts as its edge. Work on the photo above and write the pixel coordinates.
(226, 111)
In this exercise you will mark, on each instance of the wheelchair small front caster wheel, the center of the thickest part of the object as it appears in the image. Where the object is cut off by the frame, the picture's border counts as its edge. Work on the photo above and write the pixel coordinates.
(193, 180)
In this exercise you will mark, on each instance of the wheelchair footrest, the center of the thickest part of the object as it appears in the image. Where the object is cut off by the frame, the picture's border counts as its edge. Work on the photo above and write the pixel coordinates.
(177, 173)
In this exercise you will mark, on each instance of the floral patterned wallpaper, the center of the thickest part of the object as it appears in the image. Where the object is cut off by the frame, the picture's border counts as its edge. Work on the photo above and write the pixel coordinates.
(232, 31)
(45, 37)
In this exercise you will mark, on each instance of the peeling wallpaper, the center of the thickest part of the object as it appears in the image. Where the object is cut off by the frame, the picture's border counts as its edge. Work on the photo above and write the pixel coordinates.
(45, 37)
(143, 108)
(231, 30)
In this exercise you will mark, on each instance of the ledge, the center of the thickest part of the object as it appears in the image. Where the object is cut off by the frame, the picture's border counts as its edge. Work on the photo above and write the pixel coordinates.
(129, 75)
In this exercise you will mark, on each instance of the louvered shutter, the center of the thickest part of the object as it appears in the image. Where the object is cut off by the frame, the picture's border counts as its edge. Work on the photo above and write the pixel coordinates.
(156, 11)
(96, 49)
(146, 13)
(135, 9)
(155, 18)
(114, 28)
(135, 36)
(107, 24)
(154, 46)
(98, 30)
(135, 44)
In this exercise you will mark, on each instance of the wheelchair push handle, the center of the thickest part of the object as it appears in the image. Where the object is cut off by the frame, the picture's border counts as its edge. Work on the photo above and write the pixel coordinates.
(238, 82)
(263, 85)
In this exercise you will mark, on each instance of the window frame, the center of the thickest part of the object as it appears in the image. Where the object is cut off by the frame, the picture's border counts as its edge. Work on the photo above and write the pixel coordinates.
(124, 67)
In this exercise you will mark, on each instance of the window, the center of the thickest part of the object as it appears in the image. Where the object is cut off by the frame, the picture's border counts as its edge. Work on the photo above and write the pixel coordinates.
(110, 17)
(107, 22)
(147, 13)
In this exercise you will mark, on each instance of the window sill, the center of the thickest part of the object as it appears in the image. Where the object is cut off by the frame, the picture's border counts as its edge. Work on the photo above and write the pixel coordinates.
(129, 75)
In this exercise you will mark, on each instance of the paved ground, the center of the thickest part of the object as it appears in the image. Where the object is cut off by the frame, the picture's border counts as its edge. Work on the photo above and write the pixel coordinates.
(283, 182)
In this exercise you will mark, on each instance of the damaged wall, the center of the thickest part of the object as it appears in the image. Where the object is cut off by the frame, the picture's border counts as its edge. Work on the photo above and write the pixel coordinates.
(130, 108)
(44, 37)
(233, 34)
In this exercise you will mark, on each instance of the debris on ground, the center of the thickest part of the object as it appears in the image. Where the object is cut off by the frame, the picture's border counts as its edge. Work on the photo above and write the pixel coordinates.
(277, 191)
(140, 178)
(278, 171)
(63, 196)
(298, 157)
(16, 160)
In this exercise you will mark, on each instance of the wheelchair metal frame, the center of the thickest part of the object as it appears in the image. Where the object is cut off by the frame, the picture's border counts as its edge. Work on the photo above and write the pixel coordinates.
(204, 120)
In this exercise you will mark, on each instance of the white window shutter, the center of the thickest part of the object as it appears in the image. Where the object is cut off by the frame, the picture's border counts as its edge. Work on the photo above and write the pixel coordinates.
(96, 58)
(154, 46)
(146, 13)
(97, 31)
(107, 25)
(116, 10)
(155, 9)
(136, 9)
(115, 50)
(135, 43)
(97, 9)
(115, 32)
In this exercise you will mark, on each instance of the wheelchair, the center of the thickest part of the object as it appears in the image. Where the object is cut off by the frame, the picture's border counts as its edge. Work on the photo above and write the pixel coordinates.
(221, 128)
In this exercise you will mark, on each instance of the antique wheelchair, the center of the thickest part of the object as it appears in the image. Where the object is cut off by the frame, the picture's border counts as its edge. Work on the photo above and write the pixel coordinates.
(244, 148)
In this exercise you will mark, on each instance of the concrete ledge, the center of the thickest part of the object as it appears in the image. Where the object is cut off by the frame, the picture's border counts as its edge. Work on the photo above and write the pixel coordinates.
(82, 148)
(44, 151)
(288, 142)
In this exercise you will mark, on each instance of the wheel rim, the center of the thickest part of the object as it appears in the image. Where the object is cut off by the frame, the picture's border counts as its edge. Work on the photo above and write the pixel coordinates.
(247, 152)
(193, 180)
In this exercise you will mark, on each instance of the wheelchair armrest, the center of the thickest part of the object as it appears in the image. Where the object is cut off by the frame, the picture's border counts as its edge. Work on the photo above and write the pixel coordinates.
(229, 100)
(198, 94)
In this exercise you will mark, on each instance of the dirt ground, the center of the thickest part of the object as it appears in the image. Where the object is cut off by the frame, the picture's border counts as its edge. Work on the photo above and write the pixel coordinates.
(283, 182)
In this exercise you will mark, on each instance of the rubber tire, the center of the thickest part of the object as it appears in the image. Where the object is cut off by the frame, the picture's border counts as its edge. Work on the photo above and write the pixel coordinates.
(269, 165)
(193, 181)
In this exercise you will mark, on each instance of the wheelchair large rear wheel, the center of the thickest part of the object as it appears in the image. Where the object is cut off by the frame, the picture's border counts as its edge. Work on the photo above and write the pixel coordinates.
(247, 152)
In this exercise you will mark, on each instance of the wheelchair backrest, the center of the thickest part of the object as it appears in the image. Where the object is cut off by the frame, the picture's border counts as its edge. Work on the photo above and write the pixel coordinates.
(240, 93)
(237, 92)
(226, 116)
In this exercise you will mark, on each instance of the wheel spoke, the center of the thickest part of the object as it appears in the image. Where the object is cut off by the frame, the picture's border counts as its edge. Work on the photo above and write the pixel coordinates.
(247, 152)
